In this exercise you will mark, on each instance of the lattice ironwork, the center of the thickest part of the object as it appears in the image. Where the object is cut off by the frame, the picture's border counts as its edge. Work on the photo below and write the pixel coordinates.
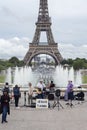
(43, 24)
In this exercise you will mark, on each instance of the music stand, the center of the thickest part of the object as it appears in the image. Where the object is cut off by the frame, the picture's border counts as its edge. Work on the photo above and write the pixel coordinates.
(57, 103)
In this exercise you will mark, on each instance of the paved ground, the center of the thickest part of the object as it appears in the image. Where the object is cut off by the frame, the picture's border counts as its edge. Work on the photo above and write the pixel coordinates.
(26, 118)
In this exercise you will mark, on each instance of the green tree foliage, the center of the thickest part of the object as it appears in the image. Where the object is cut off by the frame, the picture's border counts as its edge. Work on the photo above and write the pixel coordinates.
(76, 63)
(80, 64)
(64, 62)
(70, 62)
(14, 61)
(3, 64)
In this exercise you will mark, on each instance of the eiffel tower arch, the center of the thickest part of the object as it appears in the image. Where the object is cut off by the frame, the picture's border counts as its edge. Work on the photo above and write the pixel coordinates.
(43, 24)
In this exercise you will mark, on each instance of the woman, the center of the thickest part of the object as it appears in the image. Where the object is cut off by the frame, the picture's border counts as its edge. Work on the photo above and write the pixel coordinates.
(5, 107)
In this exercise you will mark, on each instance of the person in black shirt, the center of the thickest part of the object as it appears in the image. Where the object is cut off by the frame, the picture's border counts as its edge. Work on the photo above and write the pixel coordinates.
(6, 87)
(16, 92)
(51, 86)
(5, 107)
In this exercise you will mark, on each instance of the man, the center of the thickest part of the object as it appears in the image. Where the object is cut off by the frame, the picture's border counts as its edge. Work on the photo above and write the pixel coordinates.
(5, 108)
(51, 86)
(30, 94)
(70, 92)
(6, 88)
(17, 93)
(41, 86)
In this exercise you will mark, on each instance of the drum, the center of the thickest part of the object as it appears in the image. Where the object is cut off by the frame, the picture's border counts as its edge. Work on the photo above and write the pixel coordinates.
(51, 96)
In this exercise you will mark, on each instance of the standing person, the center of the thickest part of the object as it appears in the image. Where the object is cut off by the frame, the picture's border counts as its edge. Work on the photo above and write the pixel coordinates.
(6, 87)
(70, 92)
(5, 107)
(41, 86)
(30, 93)
(51, 86)
(16, 92)
(66, 92)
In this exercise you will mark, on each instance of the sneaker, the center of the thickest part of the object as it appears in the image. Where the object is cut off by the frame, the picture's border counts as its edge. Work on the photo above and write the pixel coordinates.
(17, 107)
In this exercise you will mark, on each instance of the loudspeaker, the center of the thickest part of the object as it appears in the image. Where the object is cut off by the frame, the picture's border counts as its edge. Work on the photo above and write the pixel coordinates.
(57, 92)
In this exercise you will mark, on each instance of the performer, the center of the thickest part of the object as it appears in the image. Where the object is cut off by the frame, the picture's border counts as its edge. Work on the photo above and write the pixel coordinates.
(51, 86)
(70, 92)
(41, 86)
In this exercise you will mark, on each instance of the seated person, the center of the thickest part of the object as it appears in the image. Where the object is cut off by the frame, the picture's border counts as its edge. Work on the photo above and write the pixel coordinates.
(41, 86)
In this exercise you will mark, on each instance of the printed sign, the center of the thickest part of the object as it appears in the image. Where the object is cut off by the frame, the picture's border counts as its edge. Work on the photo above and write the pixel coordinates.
(41, 103)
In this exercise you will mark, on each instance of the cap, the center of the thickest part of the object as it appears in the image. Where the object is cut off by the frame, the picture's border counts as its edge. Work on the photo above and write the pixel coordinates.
(41, 80)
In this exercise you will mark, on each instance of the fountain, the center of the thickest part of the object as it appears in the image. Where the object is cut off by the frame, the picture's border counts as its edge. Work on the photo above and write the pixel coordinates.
(63, 75)
(8, 76)
(23, 75)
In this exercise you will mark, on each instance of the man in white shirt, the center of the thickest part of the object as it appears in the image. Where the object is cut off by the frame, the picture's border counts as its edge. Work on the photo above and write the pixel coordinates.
(41, 87)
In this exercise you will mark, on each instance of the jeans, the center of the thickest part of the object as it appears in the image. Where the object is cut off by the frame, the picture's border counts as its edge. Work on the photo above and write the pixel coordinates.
(4, 113)
(40, 96)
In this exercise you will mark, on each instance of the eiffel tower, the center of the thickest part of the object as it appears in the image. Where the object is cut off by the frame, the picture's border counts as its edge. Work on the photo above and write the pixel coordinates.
(43, 24)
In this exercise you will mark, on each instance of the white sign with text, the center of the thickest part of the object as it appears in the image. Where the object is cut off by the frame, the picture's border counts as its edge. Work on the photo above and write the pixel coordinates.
(41, 103)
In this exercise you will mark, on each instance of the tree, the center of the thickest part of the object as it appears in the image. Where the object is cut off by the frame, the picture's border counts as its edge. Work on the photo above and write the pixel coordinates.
(70, 62)
(14, 61)
(78, 64)
(64, 62)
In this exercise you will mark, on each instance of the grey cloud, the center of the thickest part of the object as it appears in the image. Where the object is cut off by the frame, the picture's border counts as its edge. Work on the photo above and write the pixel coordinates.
(18, 20)
(10, 15)
(19, 47)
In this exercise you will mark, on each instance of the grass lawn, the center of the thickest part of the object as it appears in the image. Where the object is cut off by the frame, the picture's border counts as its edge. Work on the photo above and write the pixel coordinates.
(2, 79)
(84, 79)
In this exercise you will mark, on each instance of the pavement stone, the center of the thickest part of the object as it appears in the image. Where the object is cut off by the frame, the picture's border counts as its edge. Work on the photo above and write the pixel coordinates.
(26, 118)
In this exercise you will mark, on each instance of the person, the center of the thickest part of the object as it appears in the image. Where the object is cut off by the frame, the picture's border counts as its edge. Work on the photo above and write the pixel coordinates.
(51, 86)
(17, 93)
(5, 107)
(6, 87)
(30, 94)
(41, 86)
(70, 93)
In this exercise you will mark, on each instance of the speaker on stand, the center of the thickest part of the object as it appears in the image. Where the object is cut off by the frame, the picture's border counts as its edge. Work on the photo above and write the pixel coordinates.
(57, 102)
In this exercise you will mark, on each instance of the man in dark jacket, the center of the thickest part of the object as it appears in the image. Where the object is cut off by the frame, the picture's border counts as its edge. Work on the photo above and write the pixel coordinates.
(16, 91)
(5, 107)
(6, 87)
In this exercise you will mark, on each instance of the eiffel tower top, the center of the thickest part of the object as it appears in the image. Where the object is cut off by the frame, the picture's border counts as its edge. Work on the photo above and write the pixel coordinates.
(43, 16)
(43, 24)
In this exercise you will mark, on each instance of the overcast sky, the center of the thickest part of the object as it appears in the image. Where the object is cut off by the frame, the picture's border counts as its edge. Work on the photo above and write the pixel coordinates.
(17, 26)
